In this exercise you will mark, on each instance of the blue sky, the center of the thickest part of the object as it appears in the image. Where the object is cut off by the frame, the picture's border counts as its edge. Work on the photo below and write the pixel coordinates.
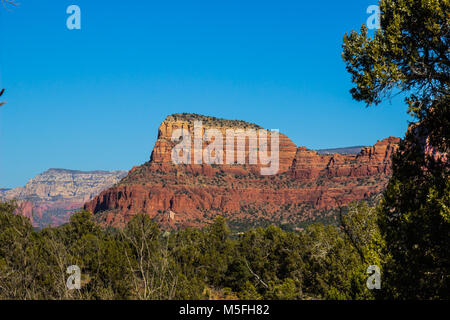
(93, 98)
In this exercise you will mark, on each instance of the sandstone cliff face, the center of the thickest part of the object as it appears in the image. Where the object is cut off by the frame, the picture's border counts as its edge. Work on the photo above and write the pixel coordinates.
(50, 197)
(307, 186)
(162, 152)
(309, 165)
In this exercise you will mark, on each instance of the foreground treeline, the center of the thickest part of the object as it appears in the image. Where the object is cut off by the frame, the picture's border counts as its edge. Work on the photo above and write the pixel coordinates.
(142, 262)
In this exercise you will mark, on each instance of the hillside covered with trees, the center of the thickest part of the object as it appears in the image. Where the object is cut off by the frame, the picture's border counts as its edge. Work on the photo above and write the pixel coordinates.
(141, 262)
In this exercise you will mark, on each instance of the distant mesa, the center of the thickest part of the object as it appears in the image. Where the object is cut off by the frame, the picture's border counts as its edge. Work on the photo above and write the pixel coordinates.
(52, 196)
(79, 172)
(344, 150)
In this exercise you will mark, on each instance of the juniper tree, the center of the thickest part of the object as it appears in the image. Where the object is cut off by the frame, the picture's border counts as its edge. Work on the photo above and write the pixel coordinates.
(409, 55)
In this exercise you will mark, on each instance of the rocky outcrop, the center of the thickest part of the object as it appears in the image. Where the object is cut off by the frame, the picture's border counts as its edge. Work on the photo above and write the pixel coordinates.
(307, 186)
(162, 152)
(309, 165)
(50, 197)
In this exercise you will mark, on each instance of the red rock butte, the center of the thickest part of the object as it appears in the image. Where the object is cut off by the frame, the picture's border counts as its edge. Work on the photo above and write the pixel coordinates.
(308, 186)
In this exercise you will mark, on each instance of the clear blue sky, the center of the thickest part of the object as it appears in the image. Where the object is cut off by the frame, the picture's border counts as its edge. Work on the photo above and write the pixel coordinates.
(93, 98)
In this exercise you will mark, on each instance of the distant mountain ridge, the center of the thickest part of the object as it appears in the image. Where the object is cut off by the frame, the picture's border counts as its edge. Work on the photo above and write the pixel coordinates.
(71, 171)
(343, 150)
(50, 197)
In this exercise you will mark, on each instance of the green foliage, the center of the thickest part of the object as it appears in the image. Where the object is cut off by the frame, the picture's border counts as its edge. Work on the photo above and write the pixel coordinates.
(415, 223)
(408, 54)
(249, 292)
(286, 290)
(360, 227)
(336, 270)
(19, 250)
(138, 262)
